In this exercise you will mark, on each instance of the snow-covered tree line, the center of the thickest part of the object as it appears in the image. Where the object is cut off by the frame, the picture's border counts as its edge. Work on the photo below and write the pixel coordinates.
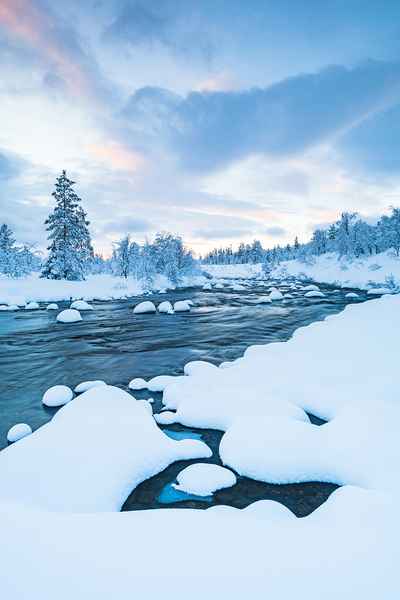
(350, 237)
(16, 259)
(71, 255)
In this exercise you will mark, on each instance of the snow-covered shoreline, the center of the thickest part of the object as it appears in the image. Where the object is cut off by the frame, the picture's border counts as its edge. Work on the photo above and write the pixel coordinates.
(360, 273)
(347, 548)
(95, 287)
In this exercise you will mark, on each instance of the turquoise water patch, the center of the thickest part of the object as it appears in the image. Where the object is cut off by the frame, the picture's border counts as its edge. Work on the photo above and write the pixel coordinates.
(182, 435)
(169, 494)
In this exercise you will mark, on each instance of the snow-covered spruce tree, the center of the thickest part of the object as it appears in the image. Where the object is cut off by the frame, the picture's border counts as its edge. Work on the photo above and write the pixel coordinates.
(70, 250)
(8, 251)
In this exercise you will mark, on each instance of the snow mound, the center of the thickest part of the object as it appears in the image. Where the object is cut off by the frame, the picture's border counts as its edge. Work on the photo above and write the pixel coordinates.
(144, 307)
(237, 287)
(69, 315)
(311, 288)
(165, 307)
(18, 431)
(182, 306)
(196, 367)
(275, 295)
(159, 383)
(57, 395)
(137, 384)
(352, 295)
(81, 305)
(90, 456)
(88, 385)
(32, 306)
(166, 417)
(203, 479)
(52, 306)
(207, 286)
(314, 294)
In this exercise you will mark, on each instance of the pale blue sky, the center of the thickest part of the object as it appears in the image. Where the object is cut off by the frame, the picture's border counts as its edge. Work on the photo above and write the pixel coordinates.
(222, 121)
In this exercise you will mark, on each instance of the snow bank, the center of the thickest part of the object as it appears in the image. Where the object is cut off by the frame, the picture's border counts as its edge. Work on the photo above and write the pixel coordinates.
(102, 444)
(246, 271)
(203, 479)
(91, 455)
(358, 273)
(95, 287)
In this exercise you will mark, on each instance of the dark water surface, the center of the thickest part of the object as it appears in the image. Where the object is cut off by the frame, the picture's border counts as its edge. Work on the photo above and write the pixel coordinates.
(113, 344)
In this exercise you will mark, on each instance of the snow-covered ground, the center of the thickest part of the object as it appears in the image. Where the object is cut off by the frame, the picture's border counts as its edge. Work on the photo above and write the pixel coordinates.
(329, 268)
(103, 443)
(95, 287)
(357, 273)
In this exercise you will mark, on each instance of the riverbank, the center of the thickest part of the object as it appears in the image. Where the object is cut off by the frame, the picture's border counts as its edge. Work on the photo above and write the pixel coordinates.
(362, 273)
(347, 548)
(96, 287)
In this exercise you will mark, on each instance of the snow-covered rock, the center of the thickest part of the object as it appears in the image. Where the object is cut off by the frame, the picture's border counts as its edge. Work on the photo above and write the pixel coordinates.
(288, 296)
(18, 431)
(275, 295)
(314, 294)
(52, 306)
(58, 395)
(219, 286)
(32, 306)
(237, 287)
(352, 295)
(203, 479)
(144, 307)
(182, 306)
(69, 315)
(137, 384)
(165, 307)
(88, 385)
(311, 288)
(207, 286)
(81, 305)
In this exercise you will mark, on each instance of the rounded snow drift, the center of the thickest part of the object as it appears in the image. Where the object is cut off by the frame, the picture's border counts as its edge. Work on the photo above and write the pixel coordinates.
(58, 395)
(69, 315)
(165, 307)
(52, 306)
(203, 479)
(314, 294)
(207, 286)
(81, 305)
(311, 288)
(275, 295)
(144, 307)
(88, 385)
(137, 384)
(352, 295)
(32, 306)
(182, 306)
(18, 431)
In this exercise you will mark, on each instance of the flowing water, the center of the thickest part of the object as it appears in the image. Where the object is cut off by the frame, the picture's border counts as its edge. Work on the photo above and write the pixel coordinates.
(113, 344)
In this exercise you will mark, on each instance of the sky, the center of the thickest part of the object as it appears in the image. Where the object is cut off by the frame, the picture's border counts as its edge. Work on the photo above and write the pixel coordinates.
(222, 121)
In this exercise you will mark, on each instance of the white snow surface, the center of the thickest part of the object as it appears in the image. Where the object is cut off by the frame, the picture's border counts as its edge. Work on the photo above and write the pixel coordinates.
(57, 395)
(95, 287)
(102, 444)
(314, 294)
(203, 479)
(144, 307)
(69, 315)
(81, 305)
(32, 306)
(362, 273)
(18, 431)
(165, 307)
(88, 385)
(182, 306)
(137, 384)
(52, 306)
